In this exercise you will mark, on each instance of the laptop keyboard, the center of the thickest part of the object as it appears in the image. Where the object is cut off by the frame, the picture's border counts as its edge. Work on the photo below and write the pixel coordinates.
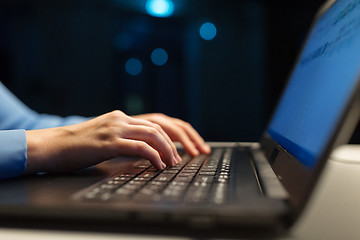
(198, 180)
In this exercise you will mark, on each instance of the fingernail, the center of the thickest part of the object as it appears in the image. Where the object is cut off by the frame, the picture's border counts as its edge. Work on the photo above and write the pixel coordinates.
(163, 166)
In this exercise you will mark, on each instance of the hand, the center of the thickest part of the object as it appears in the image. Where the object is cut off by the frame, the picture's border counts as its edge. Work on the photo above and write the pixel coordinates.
(108, 136)
(105, 137)
(180, 131)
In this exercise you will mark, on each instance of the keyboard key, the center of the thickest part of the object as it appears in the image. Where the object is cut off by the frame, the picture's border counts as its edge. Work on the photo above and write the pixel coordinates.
(207, 173)
(164, 177)
(148, 175)
(193, 171)
(176, 168)
(156, 186)
(179, 183)
(184, 179)
(186, 174)
(141, 164)
(142, 179)
(207, 179)
(130, 187)
(124, 191)
(170, 171)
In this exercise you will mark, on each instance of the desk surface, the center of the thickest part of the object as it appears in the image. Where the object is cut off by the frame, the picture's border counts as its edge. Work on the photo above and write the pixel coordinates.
(16, 234)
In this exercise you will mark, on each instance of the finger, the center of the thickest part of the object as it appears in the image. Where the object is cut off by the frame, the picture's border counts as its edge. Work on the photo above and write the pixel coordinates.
(162, 132)
(178, 134)
(141, 149)
(170, 142)
(194, 136)
(154, 138)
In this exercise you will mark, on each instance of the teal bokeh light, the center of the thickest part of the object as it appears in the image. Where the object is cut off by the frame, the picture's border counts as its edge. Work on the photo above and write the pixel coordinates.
(160, 8)
(208, 31)
(159, 56)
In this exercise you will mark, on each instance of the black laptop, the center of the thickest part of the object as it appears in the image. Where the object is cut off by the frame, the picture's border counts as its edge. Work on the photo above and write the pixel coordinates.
(241, 189)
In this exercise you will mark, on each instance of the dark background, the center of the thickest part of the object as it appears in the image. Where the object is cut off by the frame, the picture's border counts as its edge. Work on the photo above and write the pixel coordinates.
(68, 57)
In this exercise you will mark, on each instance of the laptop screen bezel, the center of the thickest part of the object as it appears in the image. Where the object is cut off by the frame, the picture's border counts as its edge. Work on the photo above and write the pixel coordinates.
(297, 179)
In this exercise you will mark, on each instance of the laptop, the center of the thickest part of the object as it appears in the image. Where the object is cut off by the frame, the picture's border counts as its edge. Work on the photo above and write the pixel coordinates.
(242, 189)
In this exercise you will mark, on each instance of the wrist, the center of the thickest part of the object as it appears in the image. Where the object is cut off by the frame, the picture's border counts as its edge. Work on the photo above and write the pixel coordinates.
(42, 149)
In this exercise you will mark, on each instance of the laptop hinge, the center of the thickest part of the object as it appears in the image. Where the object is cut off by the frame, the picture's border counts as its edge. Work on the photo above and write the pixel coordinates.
(268, 180)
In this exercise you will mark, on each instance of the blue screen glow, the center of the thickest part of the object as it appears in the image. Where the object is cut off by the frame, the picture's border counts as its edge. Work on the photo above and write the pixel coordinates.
(320, 85)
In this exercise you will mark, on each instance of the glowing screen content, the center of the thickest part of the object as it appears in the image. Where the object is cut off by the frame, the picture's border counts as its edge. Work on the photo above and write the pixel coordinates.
(320, 85)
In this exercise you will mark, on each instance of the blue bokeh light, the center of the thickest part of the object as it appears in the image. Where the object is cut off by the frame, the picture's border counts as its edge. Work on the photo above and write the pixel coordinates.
(133, 66)
(208, 31)
(160, 8)
(159, 56)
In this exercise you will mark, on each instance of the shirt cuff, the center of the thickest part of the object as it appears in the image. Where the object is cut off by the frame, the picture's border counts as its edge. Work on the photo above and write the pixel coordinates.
(13, 155)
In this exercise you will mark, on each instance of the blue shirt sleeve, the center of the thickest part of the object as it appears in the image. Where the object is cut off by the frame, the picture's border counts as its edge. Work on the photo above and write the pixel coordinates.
(12, 153)
(16, 115)
(15, 118)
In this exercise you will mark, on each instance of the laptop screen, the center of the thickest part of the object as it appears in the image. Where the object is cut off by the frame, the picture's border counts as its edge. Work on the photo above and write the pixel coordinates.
(320, 85)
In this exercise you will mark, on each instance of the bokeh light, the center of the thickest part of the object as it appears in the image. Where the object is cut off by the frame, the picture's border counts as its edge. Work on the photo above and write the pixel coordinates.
(133, 66)
(208, 31)
(159, 56)
(160, 8)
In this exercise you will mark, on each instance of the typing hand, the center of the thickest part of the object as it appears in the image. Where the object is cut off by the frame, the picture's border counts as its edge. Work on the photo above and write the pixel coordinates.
(108, 136)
